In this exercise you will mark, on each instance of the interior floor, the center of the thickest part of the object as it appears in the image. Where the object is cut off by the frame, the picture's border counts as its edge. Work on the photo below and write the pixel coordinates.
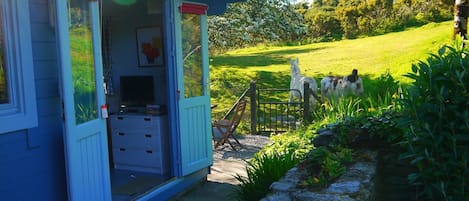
(127, 185)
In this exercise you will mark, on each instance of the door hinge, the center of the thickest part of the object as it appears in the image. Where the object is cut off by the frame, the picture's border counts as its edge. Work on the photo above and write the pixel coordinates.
(63, 109)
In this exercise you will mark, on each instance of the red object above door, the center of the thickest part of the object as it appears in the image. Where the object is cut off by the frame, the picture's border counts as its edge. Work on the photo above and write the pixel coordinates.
(193, 8)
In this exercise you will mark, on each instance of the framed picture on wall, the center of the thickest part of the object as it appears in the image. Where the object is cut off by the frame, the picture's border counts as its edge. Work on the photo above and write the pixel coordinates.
(149, 46)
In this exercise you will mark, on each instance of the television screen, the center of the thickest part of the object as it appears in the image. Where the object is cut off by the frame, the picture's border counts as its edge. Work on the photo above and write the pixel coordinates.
(136, 91)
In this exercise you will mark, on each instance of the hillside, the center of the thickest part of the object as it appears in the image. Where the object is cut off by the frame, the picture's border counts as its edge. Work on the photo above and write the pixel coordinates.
(371, 56)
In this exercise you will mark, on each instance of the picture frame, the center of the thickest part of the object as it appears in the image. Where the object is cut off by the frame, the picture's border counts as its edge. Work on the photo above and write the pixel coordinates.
(149, 46)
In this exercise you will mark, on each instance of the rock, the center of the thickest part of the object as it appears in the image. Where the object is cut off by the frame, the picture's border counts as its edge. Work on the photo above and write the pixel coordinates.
(282, 186)
(357, 184)
(350, 187)
(309, 196)
(324, 139)
(361, 171)
(322, 130)
(293, 175)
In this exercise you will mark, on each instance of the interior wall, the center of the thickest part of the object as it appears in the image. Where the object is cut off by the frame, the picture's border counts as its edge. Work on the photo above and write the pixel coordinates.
(124, 21)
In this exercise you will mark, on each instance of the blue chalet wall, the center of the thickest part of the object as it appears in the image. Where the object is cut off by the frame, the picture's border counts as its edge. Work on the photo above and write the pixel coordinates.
(32, 161)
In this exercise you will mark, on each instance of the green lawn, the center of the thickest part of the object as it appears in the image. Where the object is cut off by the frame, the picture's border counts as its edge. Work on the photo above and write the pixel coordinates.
(371, 55)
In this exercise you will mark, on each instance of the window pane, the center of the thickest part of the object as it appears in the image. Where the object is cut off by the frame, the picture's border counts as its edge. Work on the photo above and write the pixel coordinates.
(192, 56)
(81, 45)
(3, 71)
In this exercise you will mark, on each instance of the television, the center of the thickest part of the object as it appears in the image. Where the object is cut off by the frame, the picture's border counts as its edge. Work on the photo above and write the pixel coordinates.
(136, 91)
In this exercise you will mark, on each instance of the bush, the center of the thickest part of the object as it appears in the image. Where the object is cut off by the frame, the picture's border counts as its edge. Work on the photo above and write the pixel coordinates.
(263, 170)
(436, 115)
(326, 164)
(323, 24)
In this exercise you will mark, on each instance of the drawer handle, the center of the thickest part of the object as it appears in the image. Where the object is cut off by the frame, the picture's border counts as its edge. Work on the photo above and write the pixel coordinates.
(147, 119)
(120, 118)
(122, 149)
(121, 134)
(148, 135)
(149, 151)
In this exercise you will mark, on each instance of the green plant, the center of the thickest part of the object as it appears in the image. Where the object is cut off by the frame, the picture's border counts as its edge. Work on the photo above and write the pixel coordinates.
(332, 168)
(436, 115)
(262, 170)
(386, 126)
(339, 109)
(326, 164)
(85, 112)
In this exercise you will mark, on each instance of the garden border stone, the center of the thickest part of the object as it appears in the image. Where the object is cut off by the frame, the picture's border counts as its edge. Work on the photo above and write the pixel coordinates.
(356, 184)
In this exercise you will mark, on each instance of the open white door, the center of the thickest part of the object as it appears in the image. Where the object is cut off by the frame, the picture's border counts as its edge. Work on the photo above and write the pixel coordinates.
(194, 97)
(82, 93)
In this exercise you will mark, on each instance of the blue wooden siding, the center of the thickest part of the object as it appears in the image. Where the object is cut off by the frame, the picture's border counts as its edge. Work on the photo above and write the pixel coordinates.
(32, 161)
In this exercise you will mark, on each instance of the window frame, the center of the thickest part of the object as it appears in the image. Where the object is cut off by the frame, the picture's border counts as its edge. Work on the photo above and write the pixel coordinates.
(21, 110)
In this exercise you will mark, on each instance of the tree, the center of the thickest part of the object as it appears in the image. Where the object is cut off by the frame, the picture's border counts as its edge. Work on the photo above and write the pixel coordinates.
(323, 24)
(256, 21)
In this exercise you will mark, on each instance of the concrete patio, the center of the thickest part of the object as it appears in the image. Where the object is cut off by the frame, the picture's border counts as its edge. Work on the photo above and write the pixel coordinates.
(226, 163)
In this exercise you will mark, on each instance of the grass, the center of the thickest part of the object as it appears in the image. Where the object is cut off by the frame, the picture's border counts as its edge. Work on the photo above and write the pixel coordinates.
(382, 61)
(372, 56)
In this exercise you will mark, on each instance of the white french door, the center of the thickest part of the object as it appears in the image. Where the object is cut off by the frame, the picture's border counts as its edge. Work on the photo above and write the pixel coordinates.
(194, 97)
(82, 92)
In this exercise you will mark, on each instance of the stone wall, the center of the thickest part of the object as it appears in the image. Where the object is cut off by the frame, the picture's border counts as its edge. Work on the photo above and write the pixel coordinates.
(357, 184)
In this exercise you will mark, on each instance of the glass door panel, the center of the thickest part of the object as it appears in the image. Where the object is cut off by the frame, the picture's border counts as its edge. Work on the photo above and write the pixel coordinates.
(192, 56)
(3, 74)
(83, 69)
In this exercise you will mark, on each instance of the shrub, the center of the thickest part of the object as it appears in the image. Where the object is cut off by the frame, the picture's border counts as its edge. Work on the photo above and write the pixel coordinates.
(273, 161)
(325, 164)
(436, 115)
(262, 170)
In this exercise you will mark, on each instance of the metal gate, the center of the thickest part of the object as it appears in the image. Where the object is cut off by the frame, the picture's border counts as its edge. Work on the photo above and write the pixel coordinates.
(274, 116)
(271, 115)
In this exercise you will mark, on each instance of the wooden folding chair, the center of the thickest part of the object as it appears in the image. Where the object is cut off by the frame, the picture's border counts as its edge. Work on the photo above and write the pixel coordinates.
(224, 129)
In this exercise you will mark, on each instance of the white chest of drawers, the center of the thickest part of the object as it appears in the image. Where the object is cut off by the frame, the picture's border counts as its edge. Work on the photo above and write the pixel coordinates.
(140, 142)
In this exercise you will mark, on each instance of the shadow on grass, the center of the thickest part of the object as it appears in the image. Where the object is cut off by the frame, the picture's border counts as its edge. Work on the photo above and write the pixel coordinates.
(261, 59)
(272, 79)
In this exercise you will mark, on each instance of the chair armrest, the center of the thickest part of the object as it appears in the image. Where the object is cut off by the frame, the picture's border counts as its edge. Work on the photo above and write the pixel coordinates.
(222, 123)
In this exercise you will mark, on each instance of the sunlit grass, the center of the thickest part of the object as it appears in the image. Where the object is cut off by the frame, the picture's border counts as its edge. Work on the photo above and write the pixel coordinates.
(371, 56)
(393, 53)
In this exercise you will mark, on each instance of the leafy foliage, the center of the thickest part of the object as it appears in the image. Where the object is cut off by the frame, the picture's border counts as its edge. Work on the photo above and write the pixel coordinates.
(278, 21)
(326, 164)
(253, 22)
(262, 170)
(436, 115)
(323, 24)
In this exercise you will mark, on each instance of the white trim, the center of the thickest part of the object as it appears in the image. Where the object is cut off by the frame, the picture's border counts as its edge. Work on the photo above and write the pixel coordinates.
(20, 113)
